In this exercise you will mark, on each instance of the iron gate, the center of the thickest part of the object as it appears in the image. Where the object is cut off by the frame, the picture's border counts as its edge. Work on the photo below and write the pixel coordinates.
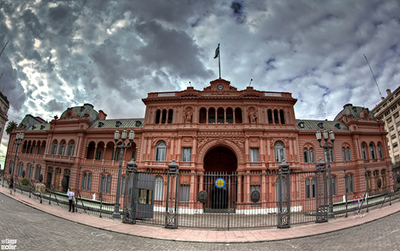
(223, 200)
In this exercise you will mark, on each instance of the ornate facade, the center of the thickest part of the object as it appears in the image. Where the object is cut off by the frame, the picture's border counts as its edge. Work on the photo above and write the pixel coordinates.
(218, 129)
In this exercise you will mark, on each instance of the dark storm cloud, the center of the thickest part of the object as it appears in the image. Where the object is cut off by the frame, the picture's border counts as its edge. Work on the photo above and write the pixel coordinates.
(238, 12)
(73, 52)
(171, 49)
(55, 106)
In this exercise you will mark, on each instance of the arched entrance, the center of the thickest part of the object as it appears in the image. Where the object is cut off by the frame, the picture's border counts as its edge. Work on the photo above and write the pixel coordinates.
(220, 164)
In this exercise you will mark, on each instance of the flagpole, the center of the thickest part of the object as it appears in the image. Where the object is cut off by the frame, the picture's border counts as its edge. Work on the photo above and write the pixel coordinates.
(219, 61)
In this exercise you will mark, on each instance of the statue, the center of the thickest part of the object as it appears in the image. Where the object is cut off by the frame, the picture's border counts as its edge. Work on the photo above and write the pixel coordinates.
(253, 116)
(188, 116)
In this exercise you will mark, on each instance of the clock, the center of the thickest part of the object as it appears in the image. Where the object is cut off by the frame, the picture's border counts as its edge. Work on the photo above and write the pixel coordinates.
(220, 87)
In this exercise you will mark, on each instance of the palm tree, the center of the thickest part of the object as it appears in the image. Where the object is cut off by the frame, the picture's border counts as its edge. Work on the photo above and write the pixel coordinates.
(10, 127)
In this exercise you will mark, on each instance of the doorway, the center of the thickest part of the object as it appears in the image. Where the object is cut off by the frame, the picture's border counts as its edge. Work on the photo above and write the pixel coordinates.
(220, 165)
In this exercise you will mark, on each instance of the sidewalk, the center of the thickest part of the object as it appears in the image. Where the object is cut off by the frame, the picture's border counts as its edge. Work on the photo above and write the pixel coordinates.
(205, 235)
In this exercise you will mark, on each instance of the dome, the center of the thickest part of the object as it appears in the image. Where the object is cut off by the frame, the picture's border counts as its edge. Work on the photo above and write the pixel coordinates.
(354, 111)
(80, 111)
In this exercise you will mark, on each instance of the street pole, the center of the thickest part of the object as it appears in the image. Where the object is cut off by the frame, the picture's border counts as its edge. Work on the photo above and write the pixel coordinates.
(327, 147)
(122, 146)
(19, 137)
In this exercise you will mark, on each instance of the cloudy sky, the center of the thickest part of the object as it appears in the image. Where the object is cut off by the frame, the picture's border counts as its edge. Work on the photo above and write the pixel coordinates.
(112, 53)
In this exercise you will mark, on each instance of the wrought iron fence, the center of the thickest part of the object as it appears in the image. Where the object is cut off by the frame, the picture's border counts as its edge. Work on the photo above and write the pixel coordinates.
(251, 200)
(230, 200)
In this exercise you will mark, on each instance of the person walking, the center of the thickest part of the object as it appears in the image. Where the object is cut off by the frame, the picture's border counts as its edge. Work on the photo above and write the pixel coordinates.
(71, 196)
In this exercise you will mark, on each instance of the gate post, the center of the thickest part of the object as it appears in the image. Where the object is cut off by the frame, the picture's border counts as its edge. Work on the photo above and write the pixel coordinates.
(321, 198)
(284, 196)
(171, 209)
(129, 211)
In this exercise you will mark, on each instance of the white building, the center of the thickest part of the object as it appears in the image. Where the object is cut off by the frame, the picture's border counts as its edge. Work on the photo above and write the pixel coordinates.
(389, 111)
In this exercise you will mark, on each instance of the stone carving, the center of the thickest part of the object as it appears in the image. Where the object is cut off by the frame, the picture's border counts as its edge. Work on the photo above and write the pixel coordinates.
(187, 116)
(252, 115)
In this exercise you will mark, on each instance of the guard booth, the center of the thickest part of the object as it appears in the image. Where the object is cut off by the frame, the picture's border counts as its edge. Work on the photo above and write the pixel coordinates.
(139, 199)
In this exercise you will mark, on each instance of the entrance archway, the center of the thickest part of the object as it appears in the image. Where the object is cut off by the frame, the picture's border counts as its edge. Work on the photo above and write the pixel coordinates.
(220, 164)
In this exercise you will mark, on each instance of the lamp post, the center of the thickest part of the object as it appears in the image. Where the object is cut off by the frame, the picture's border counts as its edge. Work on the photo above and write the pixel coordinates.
(122, 146)
(18, 140)
(327, 147)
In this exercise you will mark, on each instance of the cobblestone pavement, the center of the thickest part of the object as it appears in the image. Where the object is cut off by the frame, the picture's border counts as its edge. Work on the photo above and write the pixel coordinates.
(37, 230)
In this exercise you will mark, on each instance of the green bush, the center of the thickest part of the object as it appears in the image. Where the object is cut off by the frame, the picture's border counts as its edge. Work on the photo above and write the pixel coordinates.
(25, 182)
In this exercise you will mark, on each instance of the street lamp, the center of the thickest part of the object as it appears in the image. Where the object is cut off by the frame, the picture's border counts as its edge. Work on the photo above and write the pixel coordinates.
(327, 147)
(18, 140)
(122, 146)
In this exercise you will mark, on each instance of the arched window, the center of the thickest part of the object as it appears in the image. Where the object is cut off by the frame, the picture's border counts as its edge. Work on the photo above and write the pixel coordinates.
(161, 151)
(270, 120)
(280, 151)
(70, 148)
(276, 117)
(53, 147)
(312, 156)
(348, 154)
(229, 115)
(372, 149)
(158, 114)
(380, 151)
(159, 188)
(211, 116)
(203, 116)
(331, 156)
(238, 116)
(170, 116)
(164, 116)
(220, 115)
(344, 154)
(364, 151)
(305, 152)
(61, 148)
(281, 113)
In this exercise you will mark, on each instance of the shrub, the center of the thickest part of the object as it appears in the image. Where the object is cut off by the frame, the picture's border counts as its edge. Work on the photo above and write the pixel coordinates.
(25, 182)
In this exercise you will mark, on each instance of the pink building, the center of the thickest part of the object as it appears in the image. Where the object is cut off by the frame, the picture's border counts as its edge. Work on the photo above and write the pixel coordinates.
(218, 129)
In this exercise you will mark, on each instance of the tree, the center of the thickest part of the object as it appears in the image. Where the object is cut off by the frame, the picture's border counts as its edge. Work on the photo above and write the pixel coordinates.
(11, 126)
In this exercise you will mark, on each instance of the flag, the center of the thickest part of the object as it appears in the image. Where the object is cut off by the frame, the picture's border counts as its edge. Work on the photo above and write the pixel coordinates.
(216, 52)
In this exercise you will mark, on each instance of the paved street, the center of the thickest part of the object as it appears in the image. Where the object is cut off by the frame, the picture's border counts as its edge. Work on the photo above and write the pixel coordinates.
(35, 230)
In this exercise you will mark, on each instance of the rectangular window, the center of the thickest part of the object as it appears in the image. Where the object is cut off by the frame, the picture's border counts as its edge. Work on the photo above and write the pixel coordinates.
(83, 186)
(314, 188)
(37, 173)
(307, 188)
(20, 169)
(160, 153)
(29, 174)
(254, 155)
(184, 193)
(89, 182)
(187, 154)
(107, 184)
(349, 183)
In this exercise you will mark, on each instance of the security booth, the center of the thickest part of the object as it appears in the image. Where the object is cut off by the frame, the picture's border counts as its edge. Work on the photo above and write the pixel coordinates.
(139, 199)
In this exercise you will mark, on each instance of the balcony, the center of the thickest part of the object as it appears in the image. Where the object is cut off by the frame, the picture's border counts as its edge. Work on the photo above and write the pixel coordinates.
(59, 158)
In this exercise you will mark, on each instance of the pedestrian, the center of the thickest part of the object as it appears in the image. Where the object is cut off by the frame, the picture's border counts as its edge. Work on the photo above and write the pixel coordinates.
(71, 196)
(11, 185)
